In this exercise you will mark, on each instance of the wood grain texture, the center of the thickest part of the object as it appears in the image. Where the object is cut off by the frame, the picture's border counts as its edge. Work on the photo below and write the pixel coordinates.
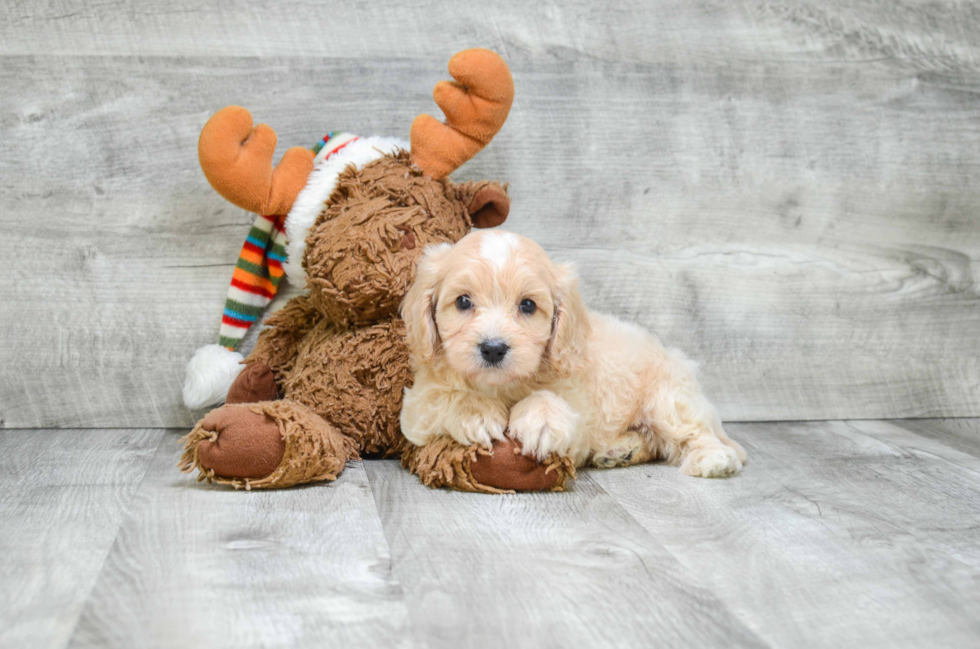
(539, 570)
(932, 35)
(853, 533)
(210, 567)
(63, 495)
(961, 434)
(786, 190)
(836, 534)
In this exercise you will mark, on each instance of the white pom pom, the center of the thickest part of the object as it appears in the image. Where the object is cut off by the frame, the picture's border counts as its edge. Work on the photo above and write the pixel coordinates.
(210, 373)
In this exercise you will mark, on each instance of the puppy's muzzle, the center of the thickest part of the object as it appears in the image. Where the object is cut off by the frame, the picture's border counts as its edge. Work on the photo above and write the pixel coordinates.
(494, 351)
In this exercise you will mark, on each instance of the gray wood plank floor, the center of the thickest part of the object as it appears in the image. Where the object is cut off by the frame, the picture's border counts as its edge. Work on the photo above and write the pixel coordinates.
(838, 533)
(63, 496)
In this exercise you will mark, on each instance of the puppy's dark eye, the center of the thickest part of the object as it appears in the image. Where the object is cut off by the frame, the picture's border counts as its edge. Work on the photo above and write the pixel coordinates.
(463, 302)
(528, 307)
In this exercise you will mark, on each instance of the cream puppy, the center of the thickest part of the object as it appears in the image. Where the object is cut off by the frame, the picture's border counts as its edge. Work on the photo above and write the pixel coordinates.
(501, 341)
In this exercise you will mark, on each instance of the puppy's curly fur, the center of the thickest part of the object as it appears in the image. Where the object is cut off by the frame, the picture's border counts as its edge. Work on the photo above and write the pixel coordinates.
(502, 343)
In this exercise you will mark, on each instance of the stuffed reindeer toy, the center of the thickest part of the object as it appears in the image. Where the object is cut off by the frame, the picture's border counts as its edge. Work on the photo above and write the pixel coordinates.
(348, 220)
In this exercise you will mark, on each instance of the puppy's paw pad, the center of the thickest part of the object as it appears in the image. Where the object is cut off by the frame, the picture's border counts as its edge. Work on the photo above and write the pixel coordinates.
(712, 462)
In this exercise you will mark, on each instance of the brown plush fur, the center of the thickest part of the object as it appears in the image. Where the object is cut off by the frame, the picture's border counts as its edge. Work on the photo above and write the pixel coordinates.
(284, 331)
(358, 267)
(354, 378)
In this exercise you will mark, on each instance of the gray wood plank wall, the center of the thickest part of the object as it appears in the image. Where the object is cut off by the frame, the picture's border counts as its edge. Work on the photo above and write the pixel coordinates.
(786, 190)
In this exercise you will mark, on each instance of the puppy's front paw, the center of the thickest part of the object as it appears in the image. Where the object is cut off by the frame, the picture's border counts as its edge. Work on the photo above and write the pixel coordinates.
(544, 423)
(715, 461)
(480, 425)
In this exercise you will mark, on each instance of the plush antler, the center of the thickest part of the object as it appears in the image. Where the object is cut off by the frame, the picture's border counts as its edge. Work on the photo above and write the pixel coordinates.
(476, 106)
(237, 160)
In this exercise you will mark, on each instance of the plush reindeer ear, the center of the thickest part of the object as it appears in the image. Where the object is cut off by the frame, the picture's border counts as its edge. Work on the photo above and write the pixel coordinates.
(487, 202)
(418, 309)
(570, 326)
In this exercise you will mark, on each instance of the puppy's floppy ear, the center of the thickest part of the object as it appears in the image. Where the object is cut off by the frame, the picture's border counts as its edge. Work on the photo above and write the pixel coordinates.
(419, 308)
(570, 326)
(486, 202)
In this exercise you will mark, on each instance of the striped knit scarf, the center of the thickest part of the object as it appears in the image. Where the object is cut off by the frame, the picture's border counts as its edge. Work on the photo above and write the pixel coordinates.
(259, 268)
(256, 278)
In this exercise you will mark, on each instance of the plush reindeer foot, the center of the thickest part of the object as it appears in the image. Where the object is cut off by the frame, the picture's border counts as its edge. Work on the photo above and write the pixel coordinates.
(507, 468)
(255, 383)
(444, 462)
(270, 444)
(241, 444)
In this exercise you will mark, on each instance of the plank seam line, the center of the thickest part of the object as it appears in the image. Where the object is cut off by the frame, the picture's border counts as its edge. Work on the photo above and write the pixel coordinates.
(680, 565)
(127, 514)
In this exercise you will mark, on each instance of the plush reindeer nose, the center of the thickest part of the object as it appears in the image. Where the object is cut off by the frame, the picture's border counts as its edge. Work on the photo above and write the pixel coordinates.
(494, 351)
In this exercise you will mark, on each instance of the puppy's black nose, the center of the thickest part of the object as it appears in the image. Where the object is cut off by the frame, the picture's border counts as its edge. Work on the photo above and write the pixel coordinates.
(493, 351)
